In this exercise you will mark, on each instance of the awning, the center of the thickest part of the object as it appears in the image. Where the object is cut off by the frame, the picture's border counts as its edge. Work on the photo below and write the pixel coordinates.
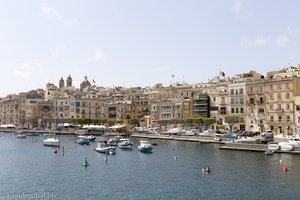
(7, 126)
(118, 126)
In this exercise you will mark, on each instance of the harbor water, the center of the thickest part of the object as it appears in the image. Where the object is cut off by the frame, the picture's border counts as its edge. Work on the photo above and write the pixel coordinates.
(29, 170)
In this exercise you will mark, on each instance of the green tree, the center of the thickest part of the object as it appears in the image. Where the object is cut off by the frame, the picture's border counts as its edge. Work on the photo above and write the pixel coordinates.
(134, 121)
(208, 121)
(231, 120)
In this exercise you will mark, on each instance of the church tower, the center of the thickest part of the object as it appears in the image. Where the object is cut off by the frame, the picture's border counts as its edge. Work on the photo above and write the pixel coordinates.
(69, 81)
(61, 83)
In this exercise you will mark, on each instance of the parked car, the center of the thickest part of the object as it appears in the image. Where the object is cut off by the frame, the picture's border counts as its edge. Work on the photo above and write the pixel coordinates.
(267, 137)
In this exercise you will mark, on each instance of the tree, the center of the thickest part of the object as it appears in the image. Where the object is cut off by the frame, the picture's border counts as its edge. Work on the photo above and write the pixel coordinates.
(208, 121)
(134, 121)
(231, 120)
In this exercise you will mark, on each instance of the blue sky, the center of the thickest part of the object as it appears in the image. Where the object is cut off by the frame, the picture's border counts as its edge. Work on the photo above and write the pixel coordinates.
(140, 43)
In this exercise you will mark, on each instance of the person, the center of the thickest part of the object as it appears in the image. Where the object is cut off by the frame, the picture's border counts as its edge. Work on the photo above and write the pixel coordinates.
(207, 169)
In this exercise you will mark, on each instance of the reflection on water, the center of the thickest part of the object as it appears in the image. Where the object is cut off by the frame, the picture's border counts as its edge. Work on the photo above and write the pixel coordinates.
(28, 166)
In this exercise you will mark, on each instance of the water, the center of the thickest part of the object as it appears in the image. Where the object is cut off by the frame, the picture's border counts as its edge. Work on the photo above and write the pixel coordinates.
(28, 167)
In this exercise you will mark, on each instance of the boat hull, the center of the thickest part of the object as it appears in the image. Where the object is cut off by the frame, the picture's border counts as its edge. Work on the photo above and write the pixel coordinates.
(145, 149)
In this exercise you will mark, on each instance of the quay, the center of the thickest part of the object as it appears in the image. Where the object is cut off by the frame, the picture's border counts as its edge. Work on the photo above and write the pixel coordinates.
(224, 145)
(178, 138)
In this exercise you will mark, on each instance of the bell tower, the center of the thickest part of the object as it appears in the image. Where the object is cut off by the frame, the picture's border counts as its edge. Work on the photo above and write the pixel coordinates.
(69, 81)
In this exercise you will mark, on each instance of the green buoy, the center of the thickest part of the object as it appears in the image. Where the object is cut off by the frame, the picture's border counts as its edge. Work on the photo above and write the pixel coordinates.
(85, 162)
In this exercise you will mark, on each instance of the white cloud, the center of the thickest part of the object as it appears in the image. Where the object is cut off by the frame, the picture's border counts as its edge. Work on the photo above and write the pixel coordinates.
(26, 70)
(53, 14)
(237, 7)
(57, 51)
(292, 31)
(164, 68)
(282, 41)
(259, 41)
(98, 55)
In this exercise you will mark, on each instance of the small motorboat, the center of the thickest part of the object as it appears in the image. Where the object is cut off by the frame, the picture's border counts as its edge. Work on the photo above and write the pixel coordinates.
(273, 147)
(21, 136)
(83, 141)
(125, 144)
(51, 142)
(89, 137)
(269, 152)
(105, 148)
(145, 147)
(285, 146)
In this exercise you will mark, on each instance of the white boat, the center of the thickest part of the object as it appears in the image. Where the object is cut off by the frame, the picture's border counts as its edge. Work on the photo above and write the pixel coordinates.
(105, 148)
(217, 137)
(269, 152)
(125, 144)
(247, 140)
(21, 136)
(145, 147)
(285, 146)
(51, 142)
(174, 131)
(206, 133)
(273, 147)
(294, 141)
(189, 133)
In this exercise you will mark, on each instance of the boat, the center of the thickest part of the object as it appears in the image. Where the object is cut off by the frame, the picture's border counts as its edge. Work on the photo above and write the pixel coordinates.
(174, 131)
(112, 142)
(51, 142)
(105, 148)
(285, 146)
(294, 141)
(217, 137)
(273, 147)
(247, 140)
(145, 147)
(83, 141)
(89, 137)
(269, 152)
(125, 144)
(21, 136)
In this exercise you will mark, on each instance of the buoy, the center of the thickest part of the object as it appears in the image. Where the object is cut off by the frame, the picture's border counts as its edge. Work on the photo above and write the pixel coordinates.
(63, 150)
(55, 151)
(85, 162)
(285, 169)
(105, 157)
(175, 158)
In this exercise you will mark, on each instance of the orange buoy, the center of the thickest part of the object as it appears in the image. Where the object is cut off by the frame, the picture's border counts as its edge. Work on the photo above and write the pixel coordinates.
(285, 169)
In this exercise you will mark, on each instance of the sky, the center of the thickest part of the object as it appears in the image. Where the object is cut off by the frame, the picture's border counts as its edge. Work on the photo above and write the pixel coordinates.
(140, 43)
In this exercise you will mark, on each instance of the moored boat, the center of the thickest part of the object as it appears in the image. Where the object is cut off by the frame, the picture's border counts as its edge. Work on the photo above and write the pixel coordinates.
(83, 141)
(105, 148)
(51, 142)
(285, 146)
(125, 144)
(21, 136)
(273, 147)
(145, 147)
(269, 152)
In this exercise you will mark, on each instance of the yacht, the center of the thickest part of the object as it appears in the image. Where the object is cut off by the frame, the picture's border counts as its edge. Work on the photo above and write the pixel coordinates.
(145, 147)
(294, 141)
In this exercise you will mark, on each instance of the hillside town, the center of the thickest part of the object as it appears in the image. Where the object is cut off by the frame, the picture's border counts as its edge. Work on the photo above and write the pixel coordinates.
(261, 102)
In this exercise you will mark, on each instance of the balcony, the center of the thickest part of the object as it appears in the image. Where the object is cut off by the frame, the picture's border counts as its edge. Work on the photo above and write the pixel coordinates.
(279, 110)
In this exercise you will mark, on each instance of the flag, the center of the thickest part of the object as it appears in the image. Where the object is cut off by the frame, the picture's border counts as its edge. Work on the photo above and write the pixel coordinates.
(172, 75)
(222, 74)
(94, 81)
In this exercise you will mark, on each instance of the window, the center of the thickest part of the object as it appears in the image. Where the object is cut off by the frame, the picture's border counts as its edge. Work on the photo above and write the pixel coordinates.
(251, 90)
(261, 110)
(241, 100)
(232, 91)
(232, 101)
(242, 110)
(287, 95)
(279, 118)
(260, 89)
(271, 118)
(271, 107)
(271, 87)
(214, 99)
(279, 106)
(271, 96)
(241, 90)
(287, 106)
(251, 111)
(279, 95)
(232, 110)
(251, 100)
(279, 86)
(287, 85)
(236, 110)
(288, 118)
